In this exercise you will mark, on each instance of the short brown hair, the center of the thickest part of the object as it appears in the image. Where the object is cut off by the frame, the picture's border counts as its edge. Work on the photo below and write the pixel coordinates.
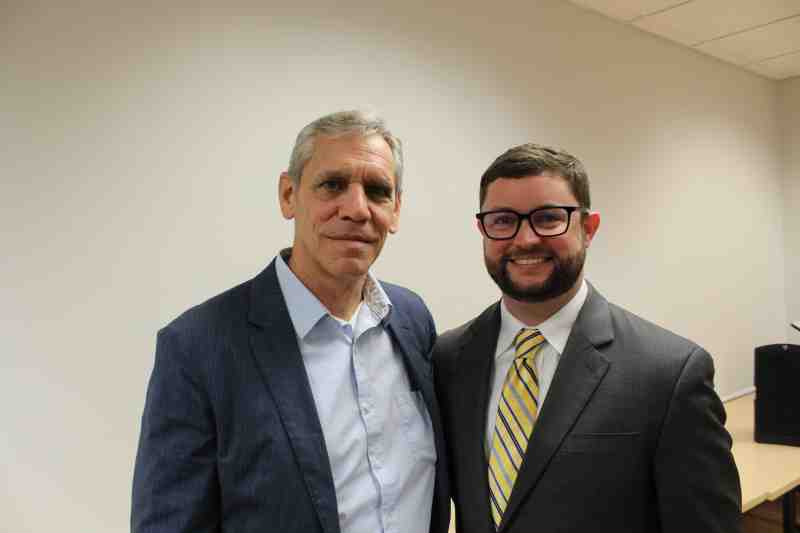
(533, 160)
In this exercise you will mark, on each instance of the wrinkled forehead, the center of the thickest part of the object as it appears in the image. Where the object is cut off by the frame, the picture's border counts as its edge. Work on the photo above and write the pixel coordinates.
(352, 155)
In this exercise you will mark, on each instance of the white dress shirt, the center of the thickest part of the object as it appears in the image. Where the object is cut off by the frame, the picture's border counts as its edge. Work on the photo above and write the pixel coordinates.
(555, 331)
(378, 432)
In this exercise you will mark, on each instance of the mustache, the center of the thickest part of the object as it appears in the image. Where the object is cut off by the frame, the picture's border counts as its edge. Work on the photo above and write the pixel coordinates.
(527, 251)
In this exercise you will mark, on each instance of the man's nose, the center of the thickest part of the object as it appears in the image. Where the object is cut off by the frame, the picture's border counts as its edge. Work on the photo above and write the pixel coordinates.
(526, 235)
(354, 204)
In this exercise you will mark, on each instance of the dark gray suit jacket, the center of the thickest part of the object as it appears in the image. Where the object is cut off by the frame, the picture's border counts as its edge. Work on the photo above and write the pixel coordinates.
(630, 439)
(231, 440)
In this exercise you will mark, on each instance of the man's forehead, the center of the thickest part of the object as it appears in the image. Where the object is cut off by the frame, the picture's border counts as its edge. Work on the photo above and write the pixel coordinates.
(544, 174)
(353, 154)
(353, 141)
(546, 188)
(533, 182)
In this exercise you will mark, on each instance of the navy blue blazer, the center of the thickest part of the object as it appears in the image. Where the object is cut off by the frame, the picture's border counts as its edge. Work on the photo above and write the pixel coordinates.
(230, 437)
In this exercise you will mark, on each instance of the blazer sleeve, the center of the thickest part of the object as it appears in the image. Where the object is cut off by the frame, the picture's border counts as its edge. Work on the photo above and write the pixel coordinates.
(428, 337)
(696, 480)
(175, 486)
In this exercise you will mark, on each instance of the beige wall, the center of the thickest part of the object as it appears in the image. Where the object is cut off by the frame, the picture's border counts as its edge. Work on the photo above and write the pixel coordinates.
(790, 122)
(141, 146)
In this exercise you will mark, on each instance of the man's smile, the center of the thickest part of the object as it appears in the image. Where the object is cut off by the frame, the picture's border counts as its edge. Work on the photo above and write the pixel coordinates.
(529, 260)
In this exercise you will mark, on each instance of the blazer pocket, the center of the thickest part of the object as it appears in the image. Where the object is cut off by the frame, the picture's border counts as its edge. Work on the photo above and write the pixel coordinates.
(600, 443)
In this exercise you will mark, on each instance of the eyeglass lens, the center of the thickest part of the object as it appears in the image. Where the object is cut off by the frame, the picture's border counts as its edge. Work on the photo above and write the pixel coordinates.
(546, 222)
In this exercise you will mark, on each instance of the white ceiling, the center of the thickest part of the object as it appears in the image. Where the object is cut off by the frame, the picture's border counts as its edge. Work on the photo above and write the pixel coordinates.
(762, 36)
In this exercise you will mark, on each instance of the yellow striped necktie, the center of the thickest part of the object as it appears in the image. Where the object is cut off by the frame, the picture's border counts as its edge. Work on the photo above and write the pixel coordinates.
(516, 415)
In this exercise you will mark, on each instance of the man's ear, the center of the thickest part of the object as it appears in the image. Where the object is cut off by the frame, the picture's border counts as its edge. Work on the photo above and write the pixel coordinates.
(590, 223)
(395, 223)
(287, 195)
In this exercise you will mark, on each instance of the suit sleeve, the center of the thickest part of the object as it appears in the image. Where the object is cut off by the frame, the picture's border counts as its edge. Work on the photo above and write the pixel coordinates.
(431, 332)
(697, 483)
(175, 487)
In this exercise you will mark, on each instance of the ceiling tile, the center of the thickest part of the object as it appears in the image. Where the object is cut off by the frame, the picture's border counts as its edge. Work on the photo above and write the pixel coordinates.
(757, 45)
(627, 10)
(779, 68)
(701, 20)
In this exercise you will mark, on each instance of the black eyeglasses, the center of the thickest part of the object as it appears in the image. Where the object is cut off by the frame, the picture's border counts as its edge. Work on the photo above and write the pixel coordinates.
(549, 221)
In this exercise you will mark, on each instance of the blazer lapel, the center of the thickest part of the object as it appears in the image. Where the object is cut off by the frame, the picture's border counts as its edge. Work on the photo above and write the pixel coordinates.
(277, 355)
(420, 375)
(580, 370)
(475, 362)
(417, 366)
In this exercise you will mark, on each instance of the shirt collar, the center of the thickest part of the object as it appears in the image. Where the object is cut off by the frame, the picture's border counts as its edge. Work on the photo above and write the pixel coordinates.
(555, 329)
(305, 309)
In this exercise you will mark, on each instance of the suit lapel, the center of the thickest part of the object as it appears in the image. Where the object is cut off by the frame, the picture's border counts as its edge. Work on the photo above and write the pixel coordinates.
(580, 370)
(418, 369)
(277, 355)
(417, 366)
(475, 363)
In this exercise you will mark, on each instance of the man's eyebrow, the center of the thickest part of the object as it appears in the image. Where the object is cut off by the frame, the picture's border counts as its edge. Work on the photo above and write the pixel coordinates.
(373, 179)
(378, 179)
(336, 173)
(509, 208)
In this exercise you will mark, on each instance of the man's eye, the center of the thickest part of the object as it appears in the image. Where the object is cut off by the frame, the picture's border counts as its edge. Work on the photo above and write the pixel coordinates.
(549, 218)
(503, 220)
(379, 192)
(332, 185)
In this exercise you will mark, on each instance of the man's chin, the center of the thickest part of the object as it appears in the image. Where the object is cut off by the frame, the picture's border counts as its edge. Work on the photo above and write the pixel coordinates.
(352, 267)
(528, 293)
(531, 291)
(529, 280)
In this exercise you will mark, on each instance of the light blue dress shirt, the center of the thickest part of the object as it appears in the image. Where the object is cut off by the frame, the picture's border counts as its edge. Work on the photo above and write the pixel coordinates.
(377, 431)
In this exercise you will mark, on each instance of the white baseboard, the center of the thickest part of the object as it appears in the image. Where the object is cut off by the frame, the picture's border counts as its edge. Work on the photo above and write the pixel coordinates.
(738, 394)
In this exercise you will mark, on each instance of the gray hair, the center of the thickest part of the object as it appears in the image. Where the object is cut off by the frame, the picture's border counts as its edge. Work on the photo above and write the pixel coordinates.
(341, 123)
(533, 160)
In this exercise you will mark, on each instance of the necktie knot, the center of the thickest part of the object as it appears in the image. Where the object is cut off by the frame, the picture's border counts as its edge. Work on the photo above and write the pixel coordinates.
(526, 341)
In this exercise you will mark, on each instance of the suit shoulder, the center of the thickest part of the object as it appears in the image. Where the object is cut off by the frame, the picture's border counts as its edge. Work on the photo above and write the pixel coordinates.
(403, 296)
(214, 314)
(645, 337)
(415, 313)
(448, 348)
(413, 307)
(655, 358)
(450, 340)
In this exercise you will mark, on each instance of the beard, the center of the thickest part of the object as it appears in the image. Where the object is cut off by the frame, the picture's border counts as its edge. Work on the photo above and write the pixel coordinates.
(566, 271)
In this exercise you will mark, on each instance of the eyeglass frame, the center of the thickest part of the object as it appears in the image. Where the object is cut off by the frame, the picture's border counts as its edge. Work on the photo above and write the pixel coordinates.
(527, 216)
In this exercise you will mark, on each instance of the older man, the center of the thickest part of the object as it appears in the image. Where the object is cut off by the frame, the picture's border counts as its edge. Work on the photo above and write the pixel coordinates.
(302, 400)
(564, 412)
